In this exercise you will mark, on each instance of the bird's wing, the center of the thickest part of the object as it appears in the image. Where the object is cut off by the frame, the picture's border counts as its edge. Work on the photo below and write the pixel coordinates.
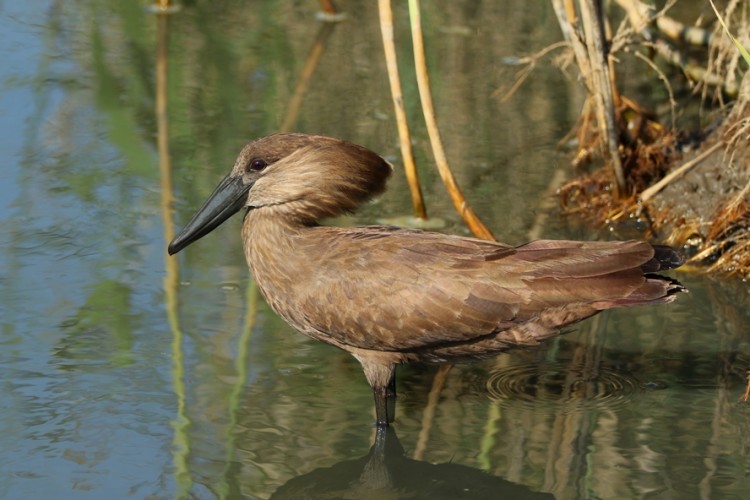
(402, 289)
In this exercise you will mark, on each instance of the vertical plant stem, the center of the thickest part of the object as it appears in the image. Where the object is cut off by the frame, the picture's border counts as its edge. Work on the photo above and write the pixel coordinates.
(570, 11)
(593, 27)
(181, 439)
(567, 18)
(423, 82)
(412, 177)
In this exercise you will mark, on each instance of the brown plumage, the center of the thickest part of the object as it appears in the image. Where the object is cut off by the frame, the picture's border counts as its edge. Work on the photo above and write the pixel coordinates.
(390, 295)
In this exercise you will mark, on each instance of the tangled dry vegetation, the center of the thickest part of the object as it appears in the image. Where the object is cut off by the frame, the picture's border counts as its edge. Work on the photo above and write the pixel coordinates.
(690, 188)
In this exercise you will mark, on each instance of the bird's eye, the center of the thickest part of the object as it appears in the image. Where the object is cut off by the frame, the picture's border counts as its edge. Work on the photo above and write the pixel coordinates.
(257, 165)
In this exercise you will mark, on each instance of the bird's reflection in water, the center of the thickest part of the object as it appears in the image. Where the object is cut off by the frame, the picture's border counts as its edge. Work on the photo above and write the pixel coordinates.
(386, 472)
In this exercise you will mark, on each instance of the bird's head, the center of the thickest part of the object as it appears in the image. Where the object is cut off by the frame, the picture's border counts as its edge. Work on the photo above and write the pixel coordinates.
(295, 176)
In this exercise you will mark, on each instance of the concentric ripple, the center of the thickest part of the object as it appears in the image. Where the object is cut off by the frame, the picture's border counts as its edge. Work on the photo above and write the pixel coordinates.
(560, 382)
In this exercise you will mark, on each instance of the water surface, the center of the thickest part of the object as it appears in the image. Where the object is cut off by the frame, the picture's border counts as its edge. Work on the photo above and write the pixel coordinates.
(124, 377)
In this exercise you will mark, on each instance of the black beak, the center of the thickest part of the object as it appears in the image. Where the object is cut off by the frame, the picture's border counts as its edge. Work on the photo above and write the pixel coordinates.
(226, 200)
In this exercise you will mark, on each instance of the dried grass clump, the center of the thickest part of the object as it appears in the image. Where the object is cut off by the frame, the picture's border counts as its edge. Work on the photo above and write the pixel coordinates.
(701, 205)
(647, 152)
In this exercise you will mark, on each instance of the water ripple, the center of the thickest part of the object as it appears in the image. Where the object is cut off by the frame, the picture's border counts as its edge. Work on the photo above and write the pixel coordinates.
(559, 382)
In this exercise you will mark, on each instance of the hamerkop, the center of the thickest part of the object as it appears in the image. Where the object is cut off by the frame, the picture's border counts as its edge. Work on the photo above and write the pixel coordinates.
(390, 295)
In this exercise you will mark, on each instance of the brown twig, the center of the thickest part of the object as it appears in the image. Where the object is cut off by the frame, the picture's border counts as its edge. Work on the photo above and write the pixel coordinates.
(649, 193)
(412, 177)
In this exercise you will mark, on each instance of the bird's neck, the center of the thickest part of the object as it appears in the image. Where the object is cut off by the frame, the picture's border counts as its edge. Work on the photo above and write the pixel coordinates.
(275, 248)
(265, 234)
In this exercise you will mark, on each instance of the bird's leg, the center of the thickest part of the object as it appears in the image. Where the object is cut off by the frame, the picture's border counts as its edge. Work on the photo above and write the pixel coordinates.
(390, 393)
(381, 406)
(385, 402)
(381, 375)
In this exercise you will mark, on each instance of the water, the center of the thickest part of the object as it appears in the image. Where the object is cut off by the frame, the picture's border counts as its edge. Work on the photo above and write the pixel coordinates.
(124, 377)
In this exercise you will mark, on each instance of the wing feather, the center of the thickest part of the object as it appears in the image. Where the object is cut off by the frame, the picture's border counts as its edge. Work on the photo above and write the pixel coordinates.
(413, 289)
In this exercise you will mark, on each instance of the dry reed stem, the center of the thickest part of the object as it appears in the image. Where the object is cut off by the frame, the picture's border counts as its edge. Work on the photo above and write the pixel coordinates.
(412, 177)
(571, 13)
(423, 83)
(595, 73)
(734, 260)
(639, 14)
(592, 19)
(705, 253)
(739, 199)
(723, 57)
(567, 19)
